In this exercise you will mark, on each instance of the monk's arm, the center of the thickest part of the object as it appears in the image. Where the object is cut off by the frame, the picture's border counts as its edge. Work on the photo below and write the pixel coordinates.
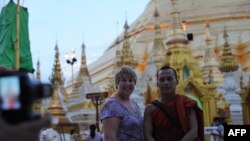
(192, 134)
(148, 125)
(110, 128)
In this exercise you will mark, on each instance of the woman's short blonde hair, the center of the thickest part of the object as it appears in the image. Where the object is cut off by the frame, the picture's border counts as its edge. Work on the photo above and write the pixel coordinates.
(124, 72)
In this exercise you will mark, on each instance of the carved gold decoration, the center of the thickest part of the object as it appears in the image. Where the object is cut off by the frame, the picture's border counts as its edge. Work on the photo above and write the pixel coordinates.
(125, 57)
(228, 62)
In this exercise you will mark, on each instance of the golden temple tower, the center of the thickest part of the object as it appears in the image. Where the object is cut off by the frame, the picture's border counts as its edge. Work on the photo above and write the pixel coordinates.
(228, 63)
(83, 75)
(38, 73)
(229, 66)
(179, 57)
(211, 72)
(37, 105)
(55, 107)
(125, 56)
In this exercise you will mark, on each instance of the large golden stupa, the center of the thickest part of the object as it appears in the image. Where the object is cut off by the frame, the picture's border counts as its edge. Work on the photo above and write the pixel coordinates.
(187, 35)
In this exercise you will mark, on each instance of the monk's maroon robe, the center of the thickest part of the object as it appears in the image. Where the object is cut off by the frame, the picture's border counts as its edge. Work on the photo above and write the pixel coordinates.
(179, 106)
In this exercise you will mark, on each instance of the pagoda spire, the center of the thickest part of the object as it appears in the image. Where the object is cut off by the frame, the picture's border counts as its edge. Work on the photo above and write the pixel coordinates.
(57, 71)
(38, 73)
(126, 44)
(37, 105)
(228, 63)
(158, 50)
(83, 74)
(84, 70)
(210, 69)
(125, 56)
(229, 66)
(178, 55)
(176, 33)
(55, 106)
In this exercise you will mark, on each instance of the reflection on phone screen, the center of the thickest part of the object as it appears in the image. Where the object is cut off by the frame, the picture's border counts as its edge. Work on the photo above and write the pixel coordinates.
(9, 93)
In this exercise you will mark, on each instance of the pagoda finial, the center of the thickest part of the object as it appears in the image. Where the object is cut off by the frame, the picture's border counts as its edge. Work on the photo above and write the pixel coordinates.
(55, 106)
(83, 69)
(228, 63)
(38, 73)
(126, 27)
(125, 56)
(83, 46)
(83, 75)
(207, 32)
(210, 70)
(176, 34)
(56, 74)
(156, 13)
(117, 39)
(225, 35)
(158, 50)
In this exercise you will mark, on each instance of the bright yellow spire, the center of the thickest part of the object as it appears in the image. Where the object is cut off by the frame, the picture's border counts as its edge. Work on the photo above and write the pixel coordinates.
(228, 63)
(38, 73)
(125, 56)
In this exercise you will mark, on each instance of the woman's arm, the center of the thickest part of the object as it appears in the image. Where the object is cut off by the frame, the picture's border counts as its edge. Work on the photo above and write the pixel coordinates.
(192, 134)
(110, 128)
(148, 125)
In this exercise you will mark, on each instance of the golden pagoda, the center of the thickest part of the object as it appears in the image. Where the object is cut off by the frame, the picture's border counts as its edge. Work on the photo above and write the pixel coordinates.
(179, 57)
(142, 31)
(38, 73)
(199, 85)
(125, 56)
(37, 105)
(210, 70)
(158, 50)
(80, 109)
(228, 63)
(83, 75)
(55, 107)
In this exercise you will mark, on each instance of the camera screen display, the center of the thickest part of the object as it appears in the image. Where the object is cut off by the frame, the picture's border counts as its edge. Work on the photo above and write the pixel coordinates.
(10, 93)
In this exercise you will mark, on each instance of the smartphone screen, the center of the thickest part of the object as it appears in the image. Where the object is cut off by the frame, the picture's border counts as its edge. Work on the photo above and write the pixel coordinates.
(10, 93)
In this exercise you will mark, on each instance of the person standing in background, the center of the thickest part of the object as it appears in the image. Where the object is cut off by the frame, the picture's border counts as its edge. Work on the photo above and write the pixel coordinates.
(73, 135)
(93, 135)
(218, 134)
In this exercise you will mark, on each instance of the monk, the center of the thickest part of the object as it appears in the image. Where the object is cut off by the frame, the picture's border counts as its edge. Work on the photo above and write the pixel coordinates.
(173, 117)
